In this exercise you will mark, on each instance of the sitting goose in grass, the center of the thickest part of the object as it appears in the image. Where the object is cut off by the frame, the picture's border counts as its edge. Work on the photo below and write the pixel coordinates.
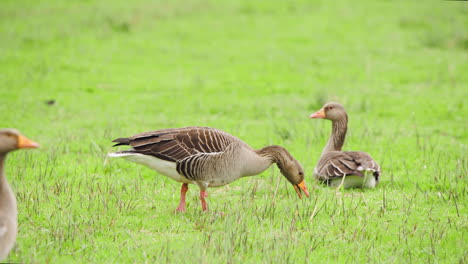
(10, 140)
(348, 168)
(207, 157)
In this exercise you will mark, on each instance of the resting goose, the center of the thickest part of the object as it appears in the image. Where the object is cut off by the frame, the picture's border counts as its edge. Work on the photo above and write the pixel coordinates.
(348, 168)
(10, 140)
(207, 157)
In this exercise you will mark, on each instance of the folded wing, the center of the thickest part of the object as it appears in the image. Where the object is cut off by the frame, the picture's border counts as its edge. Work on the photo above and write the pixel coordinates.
(343, 163)
(175, 144)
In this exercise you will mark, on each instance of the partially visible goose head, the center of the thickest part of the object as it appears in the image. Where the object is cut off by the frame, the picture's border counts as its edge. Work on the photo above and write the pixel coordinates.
(294, 173)
(288, 165)
(11, 139)
(331, 111)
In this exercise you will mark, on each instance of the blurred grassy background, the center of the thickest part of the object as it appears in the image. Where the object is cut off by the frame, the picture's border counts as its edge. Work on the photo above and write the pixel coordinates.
(255, 69)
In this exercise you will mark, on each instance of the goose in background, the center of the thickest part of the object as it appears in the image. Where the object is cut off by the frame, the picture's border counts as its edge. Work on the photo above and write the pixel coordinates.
(207, 157)
(10, 139)
(350, 169)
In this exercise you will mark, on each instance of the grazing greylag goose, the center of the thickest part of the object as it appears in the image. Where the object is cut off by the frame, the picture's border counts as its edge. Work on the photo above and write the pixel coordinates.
(10, 140)
(348, 168)
(207, 157)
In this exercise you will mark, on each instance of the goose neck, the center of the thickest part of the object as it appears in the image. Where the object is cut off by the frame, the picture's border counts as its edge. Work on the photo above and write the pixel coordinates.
(275, 154)
(337, 136)
(7, 198)
(3, 181)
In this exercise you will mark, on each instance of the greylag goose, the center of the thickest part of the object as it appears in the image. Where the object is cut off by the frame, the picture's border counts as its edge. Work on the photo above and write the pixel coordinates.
(10, 140)
(207, 157)
(348, 168)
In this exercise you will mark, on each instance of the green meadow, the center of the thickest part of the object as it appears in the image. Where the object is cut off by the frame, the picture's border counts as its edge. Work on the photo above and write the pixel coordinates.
(74, 75)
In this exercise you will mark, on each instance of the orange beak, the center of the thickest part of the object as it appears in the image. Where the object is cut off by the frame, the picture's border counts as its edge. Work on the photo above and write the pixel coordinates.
(319, 114)
(24, 142)
(301, 187)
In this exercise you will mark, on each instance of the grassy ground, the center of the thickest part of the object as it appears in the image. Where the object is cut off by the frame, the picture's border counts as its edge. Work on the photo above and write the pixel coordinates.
(256, 69)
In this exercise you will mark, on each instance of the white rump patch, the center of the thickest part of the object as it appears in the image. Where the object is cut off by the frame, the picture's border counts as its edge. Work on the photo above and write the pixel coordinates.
(369, 181)
(119, 154)
(164, 167)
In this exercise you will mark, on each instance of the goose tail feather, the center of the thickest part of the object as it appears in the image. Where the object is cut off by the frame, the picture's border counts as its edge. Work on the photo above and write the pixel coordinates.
(121, 142)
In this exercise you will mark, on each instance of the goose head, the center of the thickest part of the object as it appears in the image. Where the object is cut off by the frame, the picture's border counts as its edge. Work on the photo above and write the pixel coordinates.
(11, 139)
(294, 173)
(331, 111)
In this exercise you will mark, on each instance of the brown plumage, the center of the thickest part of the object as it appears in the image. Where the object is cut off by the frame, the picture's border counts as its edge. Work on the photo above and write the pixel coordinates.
(10, 139)
(347, 168)
(207, 157)
(174, 144)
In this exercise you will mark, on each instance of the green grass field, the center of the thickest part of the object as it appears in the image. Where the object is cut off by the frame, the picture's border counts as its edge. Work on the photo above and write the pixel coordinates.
(255, 69)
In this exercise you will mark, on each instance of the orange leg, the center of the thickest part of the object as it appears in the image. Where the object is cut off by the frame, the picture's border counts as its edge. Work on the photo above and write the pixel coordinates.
(203, 194)
(183, 191)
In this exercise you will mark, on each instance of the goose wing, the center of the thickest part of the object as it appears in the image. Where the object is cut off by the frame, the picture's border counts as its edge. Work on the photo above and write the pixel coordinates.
(342, 163)
(175, 144)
